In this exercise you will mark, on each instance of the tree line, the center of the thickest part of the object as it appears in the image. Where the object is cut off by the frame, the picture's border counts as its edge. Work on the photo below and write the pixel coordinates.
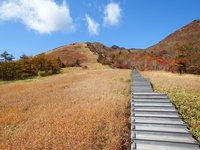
(27, 67)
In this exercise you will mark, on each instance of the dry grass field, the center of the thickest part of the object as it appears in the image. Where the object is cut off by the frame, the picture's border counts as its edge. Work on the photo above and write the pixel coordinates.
(79, 109)
(184, 91)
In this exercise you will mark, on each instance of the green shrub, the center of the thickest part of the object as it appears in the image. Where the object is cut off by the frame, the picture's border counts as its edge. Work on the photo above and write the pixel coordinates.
(42, 73)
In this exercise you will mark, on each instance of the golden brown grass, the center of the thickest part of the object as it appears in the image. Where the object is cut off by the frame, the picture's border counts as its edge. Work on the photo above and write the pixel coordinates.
(172, 80)
(70, 53)
(80, 109)
(184, 91)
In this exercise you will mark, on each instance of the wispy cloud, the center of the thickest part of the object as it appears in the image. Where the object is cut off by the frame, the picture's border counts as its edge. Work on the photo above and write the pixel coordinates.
(93, 27)
(112, 14)
(43, 16)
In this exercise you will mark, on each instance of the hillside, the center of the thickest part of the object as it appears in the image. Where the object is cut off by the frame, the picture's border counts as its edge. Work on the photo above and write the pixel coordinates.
(95, 52)
(73, 53)
(178, 52)
(182, 45)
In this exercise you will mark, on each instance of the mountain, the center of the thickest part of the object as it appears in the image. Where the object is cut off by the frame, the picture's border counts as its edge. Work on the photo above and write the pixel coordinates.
(178, 52)
(181, 49)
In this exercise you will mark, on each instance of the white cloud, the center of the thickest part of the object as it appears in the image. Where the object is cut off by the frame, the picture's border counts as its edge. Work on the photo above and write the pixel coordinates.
(43, 16)
(93, 27)
(112, 14)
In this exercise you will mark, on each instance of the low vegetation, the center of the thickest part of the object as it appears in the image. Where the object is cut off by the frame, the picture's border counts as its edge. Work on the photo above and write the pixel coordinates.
(79, 109)
(183, 90)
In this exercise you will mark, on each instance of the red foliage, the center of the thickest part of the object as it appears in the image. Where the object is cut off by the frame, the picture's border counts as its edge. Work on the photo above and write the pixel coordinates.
(148, 68)
(183, 60)
(172, 62)
(161, 62)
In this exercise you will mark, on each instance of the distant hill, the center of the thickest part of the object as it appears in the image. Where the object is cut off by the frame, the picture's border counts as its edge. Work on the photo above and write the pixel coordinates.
(180, 52)
(73, 53)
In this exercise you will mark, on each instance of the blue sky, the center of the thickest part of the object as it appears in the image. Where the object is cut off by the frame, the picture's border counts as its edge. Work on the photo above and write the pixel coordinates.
(36, 26)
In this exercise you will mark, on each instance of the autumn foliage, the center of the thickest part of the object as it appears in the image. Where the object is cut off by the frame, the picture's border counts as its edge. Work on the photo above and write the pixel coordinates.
(27, 66)
(179, 52)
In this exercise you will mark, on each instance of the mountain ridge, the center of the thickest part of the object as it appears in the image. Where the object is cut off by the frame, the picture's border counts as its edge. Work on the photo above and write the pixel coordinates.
(178, 52)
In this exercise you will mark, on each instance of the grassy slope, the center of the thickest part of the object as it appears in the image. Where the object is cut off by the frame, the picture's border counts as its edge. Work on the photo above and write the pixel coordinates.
(70, 53)
(79, 109)
(183, 90)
